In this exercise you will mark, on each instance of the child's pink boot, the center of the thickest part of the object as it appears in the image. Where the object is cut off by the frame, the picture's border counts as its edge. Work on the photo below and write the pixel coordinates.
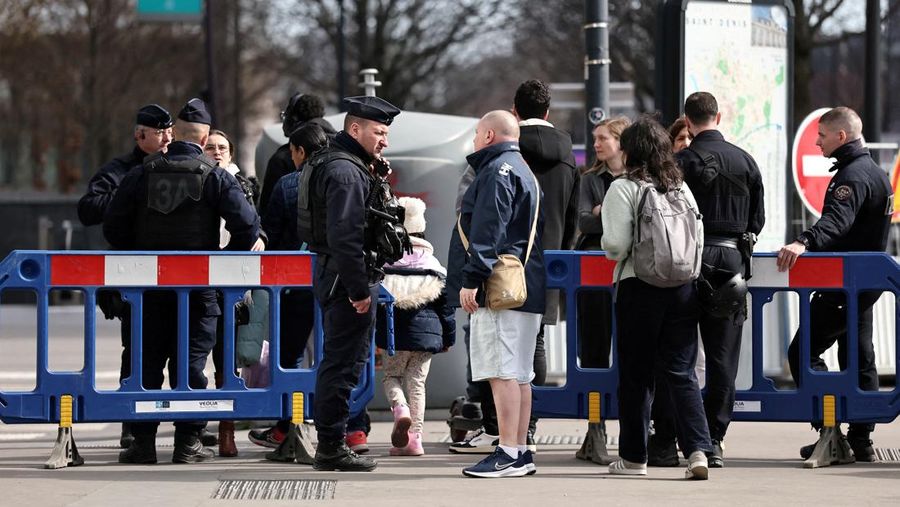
(402, 422)
(413, 448)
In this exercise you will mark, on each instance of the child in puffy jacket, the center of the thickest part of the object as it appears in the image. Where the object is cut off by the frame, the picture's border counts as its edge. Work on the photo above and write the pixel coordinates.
(423, 326)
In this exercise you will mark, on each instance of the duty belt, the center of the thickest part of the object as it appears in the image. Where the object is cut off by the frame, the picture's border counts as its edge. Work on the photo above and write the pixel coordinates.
(721, 241)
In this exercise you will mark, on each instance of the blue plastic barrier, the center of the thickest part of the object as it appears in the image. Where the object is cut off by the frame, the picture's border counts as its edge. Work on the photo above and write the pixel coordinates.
(591, 393)
(131, 273)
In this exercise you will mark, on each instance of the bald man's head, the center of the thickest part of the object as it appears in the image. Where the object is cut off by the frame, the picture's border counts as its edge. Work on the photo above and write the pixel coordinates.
(496, 127)
(193, 132)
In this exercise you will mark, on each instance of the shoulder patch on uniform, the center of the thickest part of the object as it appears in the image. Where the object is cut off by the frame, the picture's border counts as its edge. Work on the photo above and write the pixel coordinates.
(843, 192)
(504, 169)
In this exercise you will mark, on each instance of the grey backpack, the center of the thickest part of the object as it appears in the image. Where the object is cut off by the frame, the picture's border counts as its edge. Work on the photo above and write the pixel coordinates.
(667, 231)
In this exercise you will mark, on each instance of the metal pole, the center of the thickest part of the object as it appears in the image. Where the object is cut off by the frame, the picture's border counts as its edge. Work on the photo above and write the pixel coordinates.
(872, 116)
(596, 68)
(341, 57)
(210, 64)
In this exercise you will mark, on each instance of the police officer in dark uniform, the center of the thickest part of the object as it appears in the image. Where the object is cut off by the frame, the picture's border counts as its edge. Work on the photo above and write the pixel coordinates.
(302, 109)
(856, 217)
(336, 190)
(174, 201)
(728, 187)
(152, 133)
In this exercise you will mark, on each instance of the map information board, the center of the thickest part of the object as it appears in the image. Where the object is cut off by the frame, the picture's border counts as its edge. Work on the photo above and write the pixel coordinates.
(739, 53)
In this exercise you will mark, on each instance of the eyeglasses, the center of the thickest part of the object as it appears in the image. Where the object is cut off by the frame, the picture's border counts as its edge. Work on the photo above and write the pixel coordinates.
(213, 148)
(159, 132)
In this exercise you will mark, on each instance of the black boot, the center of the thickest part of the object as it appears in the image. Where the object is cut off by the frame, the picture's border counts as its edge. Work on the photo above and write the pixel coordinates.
(208, 438)
(861, 445)
(716, 458)
(337, 456)
(126, 437)
(141, 451)
(189, 449)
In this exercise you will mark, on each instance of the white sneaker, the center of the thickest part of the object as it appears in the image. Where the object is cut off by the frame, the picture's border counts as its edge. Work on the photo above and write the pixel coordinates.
(478, 442)
(624, 467)
(698, 467)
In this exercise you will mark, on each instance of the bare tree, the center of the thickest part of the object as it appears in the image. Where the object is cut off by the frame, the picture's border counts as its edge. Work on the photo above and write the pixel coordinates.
(811, 29)
(410, 42)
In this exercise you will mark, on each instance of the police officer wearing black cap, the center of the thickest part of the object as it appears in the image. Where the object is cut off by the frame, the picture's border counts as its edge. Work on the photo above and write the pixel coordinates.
(856, 217)
(174, 201)
(334, 197)
(152, 133)
(728, 187)
(302, 108)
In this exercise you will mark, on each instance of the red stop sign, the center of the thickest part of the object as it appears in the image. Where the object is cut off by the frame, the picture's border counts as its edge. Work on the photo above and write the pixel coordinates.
(810, 167)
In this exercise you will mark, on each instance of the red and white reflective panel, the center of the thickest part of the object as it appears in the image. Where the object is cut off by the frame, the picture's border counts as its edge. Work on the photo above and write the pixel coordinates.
(162, 270)
(807, 273)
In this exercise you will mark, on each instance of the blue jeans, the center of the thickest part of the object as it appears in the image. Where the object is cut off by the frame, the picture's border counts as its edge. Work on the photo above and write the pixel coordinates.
(657, 334)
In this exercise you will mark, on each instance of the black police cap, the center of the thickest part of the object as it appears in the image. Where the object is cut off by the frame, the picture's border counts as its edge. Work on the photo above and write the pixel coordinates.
(195, 112)
(371, 108)
(154, 116)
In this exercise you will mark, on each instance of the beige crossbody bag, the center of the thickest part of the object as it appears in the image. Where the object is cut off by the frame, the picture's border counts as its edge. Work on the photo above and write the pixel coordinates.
(505, 288)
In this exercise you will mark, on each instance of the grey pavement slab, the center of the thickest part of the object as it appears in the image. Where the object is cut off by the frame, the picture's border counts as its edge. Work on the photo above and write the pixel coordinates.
(762, 468)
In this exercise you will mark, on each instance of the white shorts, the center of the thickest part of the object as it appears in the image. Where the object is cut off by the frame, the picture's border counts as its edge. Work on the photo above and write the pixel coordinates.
(501, 344)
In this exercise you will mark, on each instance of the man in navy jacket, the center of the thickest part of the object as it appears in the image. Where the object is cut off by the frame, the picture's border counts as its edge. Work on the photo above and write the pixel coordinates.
(497, 216)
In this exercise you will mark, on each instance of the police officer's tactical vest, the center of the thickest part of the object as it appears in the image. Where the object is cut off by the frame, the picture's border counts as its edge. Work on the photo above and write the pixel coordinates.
(386, 239)
(173, 214)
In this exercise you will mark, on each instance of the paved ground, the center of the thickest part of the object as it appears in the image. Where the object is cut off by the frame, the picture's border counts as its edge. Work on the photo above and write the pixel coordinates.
(762, 468)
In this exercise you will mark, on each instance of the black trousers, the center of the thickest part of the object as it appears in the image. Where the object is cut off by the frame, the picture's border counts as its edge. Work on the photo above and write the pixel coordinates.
(348, 336)
(828, 324)
(125, 326)
(722, 345)
(594, 328)
(160, 325)
(657, 331)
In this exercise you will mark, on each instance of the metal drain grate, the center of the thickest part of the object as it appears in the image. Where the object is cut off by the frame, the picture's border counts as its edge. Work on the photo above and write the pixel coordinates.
(888, 454)
(274, 490)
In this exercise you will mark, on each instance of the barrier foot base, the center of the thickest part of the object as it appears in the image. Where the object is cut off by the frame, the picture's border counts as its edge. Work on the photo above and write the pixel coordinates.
(831, 449)
(297, 446)
(65, 453)
(594, 446)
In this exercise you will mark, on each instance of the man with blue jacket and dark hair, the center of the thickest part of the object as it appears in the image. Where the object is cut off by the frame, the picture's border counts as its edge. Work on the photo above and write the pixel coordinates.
(499, 215)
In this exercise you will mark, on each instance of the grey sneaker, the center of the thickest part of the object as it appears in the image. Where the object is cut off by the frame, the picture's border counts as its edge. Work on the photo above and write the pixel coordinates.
(625, 467)
(698, 467)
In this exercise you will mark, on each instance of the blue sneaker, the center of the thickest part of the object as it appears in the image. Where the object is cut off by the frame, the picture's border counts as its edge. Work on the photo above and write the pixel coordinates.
(527, 457)
(498, 464)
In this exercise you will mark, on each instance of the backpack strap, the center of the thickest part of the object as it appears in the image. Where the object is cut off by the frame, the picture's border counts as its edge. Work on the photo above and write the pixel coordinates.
(644, 189)
(537, 214)
(710, 161)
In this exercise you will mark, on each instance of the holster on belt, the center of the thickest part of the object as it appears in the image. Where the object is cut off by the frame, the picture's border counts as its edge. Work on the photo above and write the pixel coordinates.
(745, 245)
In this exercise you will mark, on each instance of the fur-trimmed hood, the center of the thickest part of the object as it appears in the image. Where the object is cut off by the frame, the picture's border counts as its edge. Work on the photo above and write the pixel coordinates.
(412, 291)
(417, 279)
